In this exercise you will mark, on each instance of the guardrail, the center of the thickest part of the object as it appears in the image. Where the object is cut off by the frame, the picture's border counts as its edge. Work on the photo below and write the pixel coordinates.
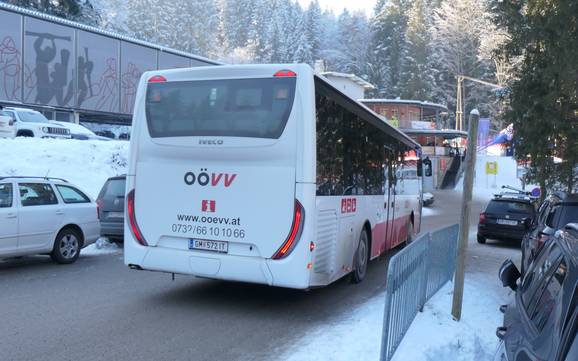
(414, 275)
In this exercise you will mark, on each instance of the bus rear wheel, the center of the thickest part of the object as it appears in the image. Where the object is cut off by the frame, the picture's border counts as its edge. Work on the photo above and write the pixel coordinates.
(361, 259)
(410, 234)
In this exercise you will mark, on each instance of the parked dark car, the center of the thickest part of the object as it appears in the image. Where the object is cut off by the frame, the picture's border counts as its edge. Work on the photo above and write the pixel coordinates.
(110, 203)
(124, 136)
(542, 322)
(506, 217)
(106, 134)
(556, 210)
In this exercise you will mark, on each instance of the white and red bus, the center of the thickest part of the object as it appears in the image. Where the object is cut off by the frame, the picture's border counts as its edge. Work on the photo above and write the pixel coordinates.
(265, 174)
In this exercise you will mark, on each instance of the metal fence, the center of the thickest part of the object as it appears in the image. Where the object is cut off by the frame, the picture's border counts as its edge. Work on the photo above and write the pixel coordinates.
(414, 275)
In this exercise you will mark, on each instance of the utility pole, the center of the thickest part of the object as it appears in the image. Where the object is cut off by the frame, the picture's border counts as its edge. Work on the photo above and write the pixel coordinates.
(459, 109)
(460, 97)
(465, 218)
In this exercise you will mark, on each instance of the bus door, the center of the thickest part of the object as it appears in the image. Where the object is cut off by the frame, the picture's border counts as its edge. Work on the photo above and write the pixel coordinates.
(389, 201)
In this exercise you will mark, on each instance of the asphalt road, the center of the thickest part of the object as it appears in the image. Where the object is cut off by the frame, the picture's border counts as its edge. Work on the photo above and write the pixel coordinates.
(97, 309)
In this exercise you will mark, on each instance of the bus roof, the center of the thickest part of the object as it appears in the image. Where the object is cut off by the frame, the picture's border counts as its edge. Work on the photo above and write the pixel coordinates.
(252, 70)
(374, 118)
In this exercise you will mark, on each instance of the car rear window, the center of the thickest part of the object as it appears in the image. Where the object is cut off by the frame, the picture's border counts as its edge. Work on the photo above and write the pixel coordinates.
(233, 108)
(72, 195)
(115, 188)
(509, 207)
(569, 215)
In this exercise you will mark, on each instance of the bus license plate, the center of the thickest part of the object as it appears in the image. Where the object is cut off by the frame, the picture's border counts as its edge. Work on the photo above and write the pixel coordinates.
(205, 245)
(507, 222)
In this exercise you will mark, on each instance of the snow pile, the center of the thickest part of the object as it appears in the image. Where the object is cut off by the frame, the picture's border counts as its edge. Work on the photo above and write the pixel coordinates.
(85, 163)
(433, 334)
(100, 247)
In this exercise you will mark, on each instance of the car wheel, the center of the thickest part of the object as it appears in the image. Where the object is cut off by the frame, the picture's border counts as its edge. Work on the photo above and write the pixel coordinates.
(481, 239)
(67, 246)
(361, 258)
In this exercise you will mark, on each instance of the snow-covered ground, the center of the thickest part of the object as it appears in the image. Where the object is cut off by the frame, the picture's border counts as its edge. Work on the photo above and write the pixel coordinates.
(85, 163)
(100, 247)
(433, 335)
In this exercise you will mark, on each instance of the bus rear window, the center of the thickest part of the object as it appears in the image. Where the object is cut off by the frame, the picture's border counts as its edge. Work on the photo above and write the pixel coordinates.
(256, 108)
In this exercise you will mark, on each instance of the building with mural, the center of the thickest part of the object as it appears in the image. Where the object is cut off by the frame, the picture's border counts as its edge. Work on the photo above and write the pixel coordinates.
(73, 72)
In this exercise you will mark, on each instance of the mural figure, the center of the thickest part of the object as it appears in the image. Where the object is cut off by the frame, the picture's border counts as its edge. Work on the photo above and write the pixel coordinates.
(108, 87)
(85, 67)
(10, 68)
(60, 79)
(129, 84)
(48, 84)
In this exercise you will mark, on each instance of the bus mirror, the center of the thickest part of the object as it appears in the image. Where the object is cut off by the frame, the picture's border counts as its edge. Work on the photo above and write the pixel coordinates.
(428, 168)
(419, 168)
(428, 172)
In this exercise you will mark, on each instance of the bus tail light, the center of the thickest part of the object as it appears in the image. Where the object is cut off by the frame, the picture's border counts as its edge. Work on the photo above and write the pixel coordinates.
(294, 234)
(285, 73)
(157, 79)
(132, 219)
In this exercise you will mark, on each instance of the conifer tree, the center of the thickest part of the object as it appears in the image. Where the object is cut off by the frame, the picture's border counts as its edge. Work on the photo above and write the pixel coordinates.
(417, 75)
(389, 27)
(543, 98)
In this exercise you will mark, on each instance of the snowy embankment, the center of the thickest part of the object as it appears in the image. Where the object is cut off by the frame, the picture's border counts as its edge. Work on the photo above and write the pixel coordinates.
(433, 335)
(486, 185)
(87, 164)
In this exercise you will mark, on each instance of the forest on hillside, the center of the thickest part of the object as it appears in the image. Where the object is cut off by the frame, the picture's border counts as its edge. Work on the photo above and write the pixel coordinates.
(410, 49)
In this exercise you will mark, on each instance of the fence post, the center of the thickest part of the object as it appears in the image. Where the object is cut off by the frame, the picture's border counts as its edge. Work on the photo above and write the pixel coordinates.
(386, 318)
(424, 273)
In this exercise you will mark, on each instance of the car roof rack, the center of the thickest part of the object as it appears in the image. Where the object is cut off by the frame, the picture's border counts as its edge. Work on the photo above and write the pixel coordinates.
(32, 177)
(515, 193)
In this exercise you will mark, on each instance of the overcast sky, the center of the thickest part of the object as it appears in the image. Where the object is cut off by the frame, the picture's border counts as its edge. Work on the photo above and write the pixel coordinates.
(338, 5)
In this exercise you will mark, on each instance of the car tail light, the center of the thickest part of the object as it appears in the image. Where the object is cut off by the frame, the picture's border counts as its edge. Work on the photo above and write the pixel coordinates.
(130, 209)
(99, 207)
(482, 218)
(294, 234)
(11, 122)
(285, 73)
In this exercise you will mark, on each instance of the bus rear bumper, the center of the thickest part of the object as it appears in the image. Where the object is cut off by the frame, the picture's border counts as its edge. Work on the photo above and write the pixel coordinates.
(216, 266)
